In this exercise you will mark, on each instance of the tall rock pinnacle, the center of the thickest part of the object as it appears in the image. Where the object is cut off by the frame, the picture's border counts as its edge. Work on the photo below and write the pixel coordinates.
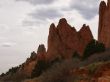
(108, 3)
(86, 33)
(102, 9)
(104, 23)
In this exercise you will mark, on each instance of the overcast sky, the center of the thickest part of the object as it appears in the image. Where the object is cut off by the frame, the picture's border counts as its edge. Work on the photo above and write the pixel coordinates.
(24, 24)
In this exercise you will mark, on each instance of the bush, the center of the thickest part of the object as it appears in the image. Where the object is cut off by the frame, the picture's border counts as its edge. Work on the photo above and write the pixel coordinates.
(42, 66)
(12, 71)
(33, 55)
(59, 72)
(76, 55)
(56, 60)
(39, 68)
(93, 47)
(17, 77)
(92, 68)
(2, 75)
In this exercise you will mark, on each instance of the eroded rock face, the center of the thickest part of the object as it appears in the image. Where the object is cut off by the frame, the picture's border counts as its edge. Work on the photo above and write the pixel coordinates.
(103, 73)
(85, 33)
(64, 40)
(41, 52)
(27, 67)
(85, 36)
(104, 23)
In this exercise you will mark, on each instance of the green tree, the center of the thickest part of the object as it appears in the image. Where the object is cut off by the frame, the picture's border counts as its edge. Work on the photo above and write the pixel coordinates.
(42, 66)
(93, 47)
(39, 68)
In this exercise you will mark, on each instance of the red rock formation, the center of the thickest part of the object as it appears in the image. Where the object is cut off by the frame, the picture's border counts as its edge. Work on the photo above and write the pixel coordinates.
(104, 23)
(54, 43)
(85, 36)
(27, 68)
(103, 73)
(85, 33)
(41, 52)
(64, 40)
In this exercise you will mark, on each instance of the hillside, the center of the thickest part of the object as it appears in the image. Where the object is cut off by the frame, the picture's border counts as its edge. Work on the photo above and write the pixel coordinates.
(71, 56)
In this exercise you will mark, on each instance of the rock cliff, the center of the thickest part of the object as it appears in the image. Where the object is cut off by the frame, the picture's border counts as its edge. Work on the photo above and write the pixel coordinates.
(27, 67)
(104, 23)
(64, 40)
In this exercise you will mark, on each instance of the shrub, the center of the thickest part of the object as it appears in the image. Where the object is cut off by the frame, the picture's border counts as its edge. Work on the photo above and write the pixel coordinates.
(76, 55)
(17, 77)
(59, 72)
(92, 68)
(12, 71)
(2, 75)
(42, 66)
(39, 68)
(33, 55)
(56, 60)
(93, 47)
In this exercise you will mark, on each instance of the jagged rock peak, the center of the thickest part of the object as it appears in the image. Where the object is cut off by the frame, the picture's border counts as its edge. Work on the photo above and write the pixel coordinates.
(63, 21)
(102, 4)
(102, 7)
(108, 3)
(63, 24)
(41, 49)
(104, 25)
(63, 40)
(33, 55)
(86, 33)
(84, 25)
(85, 28)
(52, 31)
(52, 28)
(52, 25)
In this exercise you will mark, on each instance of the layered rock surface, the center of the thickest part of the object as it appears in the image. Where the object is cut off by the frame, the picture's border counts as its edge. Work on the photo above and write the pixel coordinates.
(104, 23)
(64, 40)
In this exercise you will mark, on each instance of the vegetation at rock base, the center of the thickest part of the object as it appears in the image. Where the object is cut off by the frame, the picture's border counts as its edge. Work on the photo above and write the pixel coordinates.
(92, 48)
(59, 72)
(42, 66)
(39, 68)
(63, 39)
(76, 55)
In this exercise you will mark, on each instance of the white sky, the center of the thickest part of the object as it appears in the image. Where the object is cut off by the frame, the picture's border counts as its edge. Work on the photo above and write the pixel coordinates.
(24, 24)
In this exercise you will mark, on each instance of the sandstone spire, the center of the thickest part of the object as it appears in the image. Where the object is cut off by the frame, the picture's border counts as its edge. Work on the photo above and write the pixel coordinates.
(104, 24)
(41, 49)
(86, 33)
(41, 52)
(108, 3)
(102, 9)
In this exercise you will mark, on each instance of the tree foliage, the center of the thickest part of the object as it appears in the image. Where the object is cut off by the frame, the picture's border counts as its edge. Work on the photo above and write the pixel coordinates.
(76, 55)
(42, 66)
(39, 68)
(93, 47)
